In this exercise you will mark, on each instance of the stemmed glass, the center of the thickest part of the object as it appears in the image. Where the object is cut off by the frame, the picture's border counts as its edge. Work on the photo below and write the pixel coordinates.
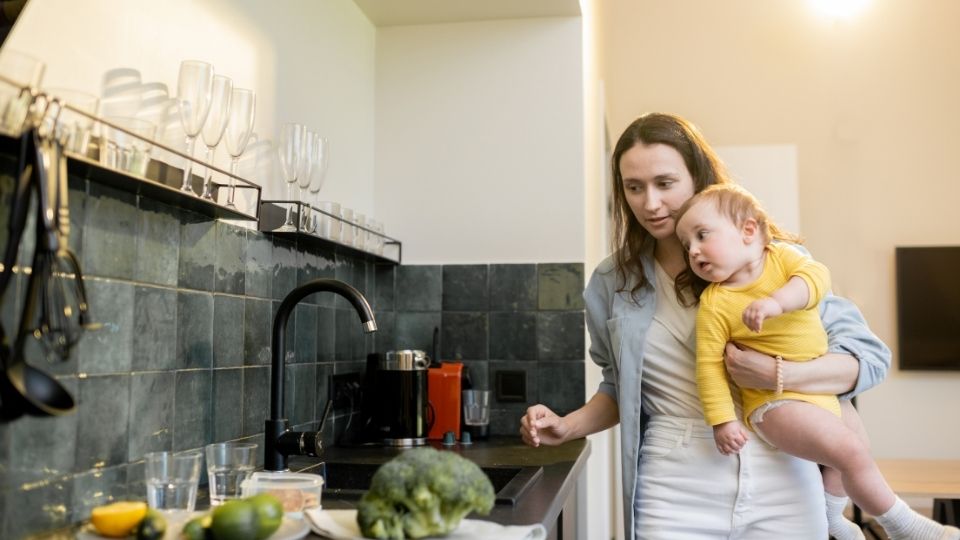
(243, 109)
(290, 150)
(215, 125)
(308, 163)
(194, 87)
(319, 174)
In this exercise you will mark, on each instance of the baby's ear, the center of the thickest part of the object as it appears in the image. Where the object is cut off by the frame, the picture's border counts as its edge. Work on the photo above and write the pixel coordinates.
(750, 230)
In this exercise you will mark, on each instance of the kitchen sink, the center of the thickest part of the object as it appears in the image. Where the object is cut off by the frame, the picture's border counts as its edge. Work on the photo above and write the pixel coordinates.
(351, 480)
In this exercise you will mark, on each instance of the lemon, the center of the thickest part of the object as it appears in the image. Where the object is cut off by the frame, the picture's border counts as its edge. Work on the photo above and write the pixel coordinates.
(269, 514)
(118, 519)
(234, 520)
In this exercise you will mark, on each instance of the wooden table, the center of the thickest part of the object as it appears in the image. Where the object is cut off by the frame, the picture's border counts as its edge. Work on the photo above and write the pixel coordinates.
(938, 479)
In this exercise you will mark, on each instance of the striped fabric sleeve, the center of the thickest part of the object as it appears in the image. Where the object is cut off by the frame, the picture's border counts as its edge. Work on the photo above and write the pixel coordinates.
(712, 336)
(813, 273)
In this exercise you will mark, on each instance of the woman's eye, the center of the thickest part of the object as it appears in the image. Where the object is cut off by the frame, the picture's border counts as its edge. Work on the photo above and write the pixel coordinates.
(701, 235)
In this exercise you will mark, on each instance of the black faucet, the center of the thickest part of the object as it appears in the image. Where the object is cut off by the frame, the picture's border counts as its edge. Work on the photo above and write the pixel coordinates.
(279, 440)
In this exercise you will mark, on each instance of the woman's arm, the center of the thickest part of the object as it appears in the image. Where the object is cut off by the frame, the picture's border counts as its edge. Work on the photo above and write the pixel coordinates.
(856, 359)
(829, 374)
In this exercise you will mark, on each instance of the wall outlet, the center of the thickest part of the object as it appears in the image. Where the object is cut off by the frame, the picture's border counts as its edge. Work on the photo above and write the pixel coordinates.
(346, 392)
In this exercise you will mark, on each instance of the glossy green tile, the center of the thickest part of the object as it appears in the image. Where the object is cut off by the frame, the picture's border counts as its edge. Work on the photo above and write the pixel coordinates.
(465, 287)
(198, 253)
(154, 329)
(231, 258)
(513, 287)
(110, 233)
(258, 280)
(513, 335)
(109, 349)
(227, 404)
(158, 244)
(192, 425)
(256, 331)
(463, 336)
(560, 286)
(102, 421)
(560, 335)
(151, 413)
(228, 330)
(419, 288)
(194, 330)
(256, 399)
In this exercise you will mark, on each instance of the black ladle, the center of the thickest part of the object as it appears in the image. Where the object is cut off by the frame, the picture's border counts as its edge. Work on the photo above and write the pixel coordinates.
(25, 389)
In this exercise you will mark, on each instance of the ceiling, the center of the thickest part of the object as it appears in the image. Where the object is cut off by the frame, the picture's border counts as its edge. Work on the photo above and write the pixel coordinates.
(409, 12)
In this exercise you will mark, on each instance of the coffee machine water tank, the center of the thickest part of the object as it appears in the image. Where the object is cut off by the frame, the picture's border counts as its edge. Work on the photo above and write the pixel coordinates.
(444, 390)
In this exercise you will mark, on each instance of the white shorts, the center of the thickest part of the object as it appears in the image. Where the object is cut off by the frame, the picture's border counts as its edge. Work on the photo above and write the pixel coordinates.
(687, 490)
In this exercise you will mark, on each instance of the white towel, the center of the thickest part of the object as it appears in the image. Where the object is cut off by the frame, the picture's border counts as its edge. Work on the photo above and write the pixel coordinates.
(342, 525)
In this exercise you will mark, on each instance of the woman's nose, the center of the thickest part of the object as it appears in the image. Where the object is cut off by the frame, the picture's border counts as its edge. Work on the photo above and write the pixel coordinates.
(652, 201)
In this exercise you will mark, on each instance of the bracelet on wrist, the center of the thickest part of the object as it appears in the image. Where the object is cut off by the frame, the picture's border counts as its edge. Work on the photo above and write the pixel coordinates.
(779, 389)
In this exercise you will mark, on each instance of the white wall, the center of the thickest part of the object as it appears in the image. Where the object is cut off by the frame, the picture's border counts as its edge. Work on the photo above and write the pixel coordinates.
(309, 62)
(479, 140)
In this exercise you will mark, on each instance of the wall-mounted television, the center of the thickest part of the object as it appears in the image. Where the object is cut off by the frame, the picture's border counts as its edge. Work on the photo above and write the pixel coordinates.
(928, 307)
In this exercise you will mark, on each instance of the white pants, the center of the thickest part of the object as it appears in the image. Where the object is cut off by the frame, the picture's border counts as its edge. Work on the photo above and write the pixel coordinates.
(687, 490)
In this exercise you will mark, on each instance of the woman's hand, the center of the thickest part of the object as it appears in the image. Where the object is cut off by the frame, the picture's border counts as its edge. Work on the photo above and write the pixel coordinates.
(542, 426)
(730, 437)
(749, 368)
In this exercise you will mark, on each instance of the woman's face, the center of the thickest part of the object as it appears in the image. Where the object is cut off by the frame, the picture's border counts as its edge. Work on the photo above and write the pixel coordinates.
(656, 183)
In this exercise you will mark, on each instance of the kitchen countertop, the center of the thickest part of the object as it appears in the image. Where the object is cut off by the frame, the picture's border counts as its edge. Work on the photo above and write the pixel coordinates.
(543, 501)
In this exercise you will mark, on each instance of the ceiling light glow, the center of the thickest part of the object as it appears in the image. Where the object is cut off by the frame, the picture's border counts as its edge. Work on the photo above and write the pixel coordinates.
(839, 9)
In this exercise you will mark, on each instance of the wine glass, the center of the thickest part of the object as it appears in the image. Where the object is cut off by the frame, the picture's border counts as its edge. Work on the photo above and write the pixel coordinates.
(243, 109)
(194, 87)
(308, 163)
(319, 174)
(215, 125)
(290, 150)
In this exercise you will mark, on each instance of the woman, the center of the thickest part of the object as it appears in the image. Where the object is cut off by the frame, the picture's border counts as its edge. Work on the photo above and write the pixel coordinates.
(675, 484)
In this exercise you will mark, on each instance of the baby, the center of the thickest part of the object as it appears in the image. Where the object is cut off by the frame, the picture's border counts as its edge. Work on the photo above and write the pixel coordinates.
(764, 295)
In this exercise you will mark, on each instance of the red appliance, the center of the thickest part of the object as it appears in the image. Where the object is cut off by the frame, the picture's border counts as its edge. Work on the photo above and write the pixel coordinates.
(443, 391)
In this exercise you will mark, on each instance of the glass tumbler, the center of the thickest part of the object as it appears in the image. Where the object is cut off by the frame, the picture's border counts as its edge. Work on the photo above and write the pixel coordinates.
(172, 480)
(26, 72)
(228, 465)
(476, 407)
(329, 224)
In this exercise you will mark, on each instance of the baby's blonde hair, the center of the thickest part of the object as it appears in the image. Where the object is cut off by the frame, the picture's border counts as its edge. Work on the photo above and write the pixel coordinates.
(739, 205)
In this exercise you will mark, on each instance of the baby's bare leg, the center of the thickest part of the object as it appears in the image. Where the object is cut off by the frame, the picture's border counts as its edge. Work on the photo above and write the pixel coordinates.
(832, 482)
(810, 432)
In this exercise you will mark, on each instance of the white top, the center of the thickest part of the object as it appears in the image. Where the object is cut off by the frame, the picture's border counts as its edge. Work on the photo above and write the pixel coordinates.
(669, 384)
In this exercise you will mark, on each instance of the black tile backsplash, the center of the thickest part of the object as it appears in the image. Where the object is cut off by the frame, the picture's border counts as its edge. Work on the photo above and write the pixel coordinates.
(186, 306)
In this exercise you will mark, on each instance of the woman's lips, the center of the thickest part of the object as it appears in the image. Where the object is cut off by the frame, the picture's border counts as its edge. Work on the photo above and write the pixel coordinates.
(658, 221)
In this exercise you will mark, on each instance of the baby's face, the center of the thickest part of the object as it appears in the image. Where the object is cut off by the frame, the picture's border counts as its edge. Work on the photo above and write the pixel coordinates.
(715, 245)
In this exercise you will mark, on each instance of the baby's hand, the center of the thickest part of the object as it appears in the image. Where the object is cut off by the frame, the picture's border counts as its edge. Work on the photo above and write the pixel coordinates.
(759, 310)
(730, 437)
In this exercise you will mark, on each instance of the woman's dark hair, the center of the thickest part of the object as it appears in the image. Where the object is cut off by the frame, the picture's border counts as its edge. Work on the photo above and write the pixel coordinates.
(629, 235)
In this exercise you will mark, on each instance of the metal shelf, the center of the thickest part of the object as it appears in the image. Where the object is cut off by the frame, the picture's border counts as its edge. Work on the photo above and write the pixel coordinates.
(273, 215)
(162, 181)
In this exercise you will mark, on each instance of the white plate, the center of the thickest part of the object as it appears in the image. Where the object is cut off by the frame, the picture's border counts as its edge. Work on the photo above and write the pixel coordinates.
(290, 529)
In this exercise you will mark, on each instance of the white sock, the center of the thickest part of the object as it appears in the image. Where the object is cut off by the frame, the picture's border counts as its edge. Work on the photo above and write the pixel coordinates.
(902, 523)
(839, 526)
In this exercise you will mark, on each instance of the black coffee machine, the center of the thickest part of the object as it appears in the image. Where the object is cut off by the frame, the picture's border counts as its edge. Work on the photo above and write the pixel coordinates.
(395, 407)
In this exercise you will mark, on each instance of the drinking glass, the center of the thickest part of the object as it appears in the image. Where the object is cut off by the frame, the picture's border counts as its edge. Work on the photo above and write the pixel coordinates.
(291, 152)
(360, 235)
(349, 230)
(308, 164)
(228, 465)
(215, 125)
(329, 225)
(172, 480)
(26, 72)
(73, 129)
(123, 151)
(476, 407)
(242, 112)
(319, 174)
(194, 89)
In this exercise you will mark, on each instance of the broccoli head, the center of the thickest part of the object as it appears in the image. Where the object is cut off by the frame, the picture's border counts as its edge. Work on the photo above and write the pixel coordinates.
(423, 492)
